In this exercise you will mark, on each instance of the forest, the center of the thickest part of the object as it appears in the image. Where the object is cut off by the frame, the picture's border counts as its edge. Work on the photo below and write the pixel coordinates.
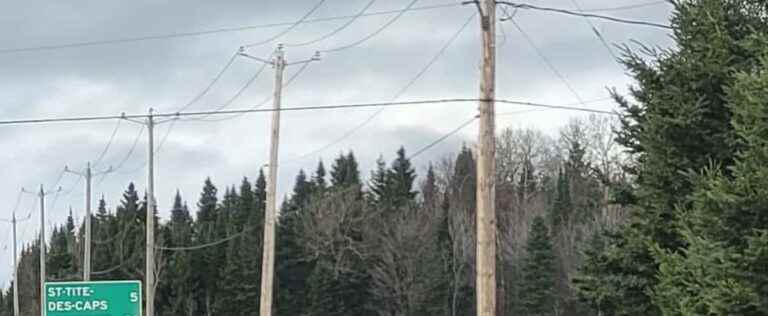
(660, 210)
(397, 243)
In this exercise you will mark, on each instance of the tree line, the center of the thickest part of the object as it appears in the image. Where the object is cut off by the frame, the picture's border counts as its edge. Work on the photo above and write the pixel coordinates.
(389, 243)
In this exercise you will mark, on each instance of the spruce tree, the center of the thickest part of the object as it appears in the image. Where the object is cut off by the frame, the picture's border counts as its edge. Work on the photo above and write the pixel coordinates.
(399, 179)
(293, 266)
(562, 206)
(377, 185)
(179, 273)
(429, 190)
(208, 261)
(538, 280)
(680, 122)
(318, 178)
(344, 172)
(722, 271)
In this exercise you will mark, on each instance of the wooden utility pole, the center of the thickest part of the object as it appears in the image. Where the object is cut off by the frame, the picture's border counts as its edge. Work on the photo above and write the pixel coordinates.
(41, 194)
(149, 272)
(486, 167)
(13, 222)
(270, 217)
(150, 267)
(88, 175)
(268, 259)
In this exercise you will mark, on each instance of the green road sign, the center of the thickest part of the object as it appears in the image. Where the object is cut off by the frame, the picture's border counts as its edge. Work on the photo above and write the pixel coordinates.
(104, 298)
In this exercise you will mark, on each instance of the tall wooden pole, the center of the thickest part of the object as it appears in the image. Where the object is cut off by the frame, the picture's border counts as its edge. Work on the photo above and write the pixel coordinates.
(268, 260)
(87, 250)
(42, 250)
(15, 272)
(149, 271)
(486, 168)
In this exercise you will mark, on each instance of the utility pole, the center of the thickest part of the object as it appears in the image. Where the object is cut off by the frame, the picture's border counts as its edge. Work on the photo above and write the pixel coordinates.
(268, 257)
(150, 264)
(486, 168)
(88, 175)
(41, 194)
(13, 222)
(149, 272)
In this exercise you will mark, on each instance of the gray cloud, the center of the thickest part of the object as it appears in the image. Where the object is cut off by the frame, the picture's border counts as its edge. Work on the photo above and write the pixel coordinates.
(166, 74)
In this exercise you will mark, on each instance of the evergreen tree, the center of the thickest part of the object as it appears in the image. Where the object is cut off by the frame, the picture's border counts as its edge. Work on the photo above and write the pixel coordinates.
(260, 192)
(377, 185)
(562, 206)
(344, 172)
(209, 260)
(294, 265)
(179, 272)
(429, 190)
(538, 282)
(318, 179)
(681, 122)
(722, 271)
(59, 260)
(399, 181)
(104, 231)
(527, 183)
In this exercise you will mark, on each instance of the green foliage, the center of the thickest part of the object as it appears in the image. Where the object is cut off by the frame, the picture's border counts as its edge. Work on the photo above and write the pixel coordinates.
(562, 206)
(680, 123)
(538, 284)
(721, 272)
(344, 172)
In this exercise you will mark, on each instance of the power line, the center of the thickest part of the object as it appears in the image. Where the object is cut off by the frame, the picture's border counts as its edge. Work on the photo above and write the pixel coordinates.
(204, 32)
(597, 33)
(211, 84)
(627, 7)
(293, 109)
(397, 95)
(377, 32)
(337, 30)
(242, 90)
(548, 62)
(109, 144)
(206, 245)
(557, 107)
(259, 105)
(129, 153)
(582, 14)
(443, 138)
(290, 28)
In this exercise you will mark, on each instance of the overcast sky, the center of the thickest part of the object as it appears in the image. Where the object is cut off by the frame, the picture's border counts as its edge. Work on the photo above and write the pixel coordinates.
(167, 73)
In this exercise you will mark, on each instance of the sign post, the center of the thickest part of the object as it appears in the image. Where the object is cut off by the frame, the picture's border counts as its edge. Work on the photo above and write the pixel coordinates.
(103, 298)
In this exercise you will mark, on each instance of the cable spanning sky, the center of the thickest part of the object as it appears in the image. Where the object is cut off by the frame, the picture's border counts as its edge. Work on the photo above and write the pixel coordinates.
(167, 72)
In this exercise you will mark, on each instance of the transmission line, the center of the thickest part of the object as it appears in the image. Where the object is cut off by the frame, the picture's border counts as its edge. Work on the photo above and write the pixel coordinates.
(377, 32)
(443, 138)
(627, 7)
(296, 109)
(290, 28)
(335, 31)
(206, 245)
(204, 32)
(130, 151)
(397, 95)
(109, 144)
(257, 106)
(548, 62)
(210, 85)
(582, 14)
(598, 34)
